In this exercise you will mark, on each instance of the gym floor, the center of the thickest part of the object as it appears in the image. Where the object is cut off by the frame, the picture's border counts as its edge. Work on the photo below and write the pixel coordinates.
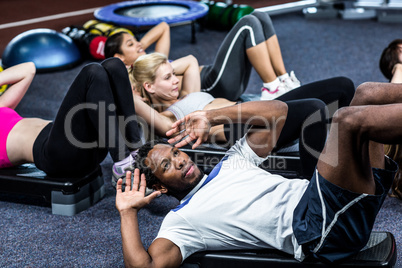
(31, 236)
(16, 19)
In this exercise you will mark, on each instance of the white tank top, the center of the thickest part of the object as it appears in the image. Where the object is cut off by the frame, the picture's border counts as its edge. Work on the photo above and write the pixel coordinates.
(190, 103)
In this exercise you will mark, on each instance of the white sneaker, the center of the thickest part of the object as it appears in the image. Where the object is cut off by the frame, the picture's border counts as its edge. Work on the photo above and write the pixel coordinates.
(266, 94)
(291, 82)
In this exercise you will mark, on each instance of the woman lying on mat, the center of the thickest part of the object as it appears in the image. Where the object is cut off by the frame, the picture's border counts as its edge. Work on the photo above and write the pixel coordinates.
(124, 46)
(391, 68)
(162, 103)
(252, 42)
(96, 116)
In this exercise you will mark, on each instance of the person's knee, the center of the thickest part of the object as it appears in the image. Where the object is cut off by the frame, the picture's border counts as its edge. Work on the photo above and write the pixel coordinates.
(347, 88)
(113, 63)
(263, 17)
(346, 83)
(266, 23)
(316, 104)
(165, 27)
(251, 21)
(192, 60)
(249, 28)
(349, 119)
(93, 70)
(364, 94)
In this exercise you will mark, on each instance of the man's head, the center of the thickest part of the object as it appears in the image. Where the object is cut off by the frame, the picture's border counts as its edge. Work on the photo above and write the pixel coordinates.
(167, 169)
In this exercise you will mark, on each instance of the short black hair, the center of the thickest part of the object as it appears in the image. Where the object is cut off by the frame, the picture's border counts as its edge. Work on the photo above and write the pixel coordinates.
(140, 158)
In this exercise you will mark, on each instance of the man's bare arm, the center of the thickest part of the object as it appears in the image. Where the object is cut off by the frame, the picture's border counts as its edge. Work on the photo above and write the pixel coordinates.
(266, 117)
(162, 252)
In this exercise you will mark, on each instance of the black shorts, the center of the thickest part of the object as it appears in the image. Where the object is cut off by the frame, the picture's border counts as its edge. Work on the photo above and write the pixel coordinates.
(332, 223)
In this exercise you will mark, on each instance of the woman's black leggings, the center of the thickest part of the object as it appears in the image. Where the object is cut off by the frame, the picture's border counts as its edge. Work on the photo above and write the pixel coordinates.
(306, 121)
(309, 121)
(96, 116)
(335, 92)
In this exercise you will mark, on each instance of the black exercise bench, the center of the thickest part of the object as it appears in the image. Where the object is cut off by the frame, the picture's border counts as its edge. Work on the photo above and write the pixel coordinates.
(380, 252)
(68, 196)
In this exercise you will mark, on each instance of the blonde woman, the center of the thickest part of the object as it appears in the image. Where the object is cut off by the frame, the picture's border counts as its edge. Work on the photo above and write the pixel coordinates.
(252, 42)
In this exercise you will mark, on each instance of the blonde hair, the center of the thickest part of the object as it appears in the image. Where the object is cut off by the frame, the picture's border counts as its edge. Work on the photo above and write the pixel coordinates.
(144, 70)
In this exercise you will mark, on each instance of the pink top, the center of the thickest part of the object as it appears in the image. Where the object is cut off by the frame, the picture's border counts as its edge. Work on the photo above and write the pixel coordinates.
(8, 119)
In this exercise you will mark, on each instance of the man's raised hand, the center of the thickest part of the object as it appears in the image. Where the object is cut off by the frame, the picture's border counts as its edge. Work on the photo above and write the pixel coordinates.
(194, 126)
(133, 198)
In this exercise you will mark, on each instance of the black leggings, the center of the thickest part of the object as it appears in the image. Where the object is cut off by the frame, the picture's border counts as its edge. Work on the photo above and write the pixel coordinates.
(335, 92)
(96, 116)
(306, 121)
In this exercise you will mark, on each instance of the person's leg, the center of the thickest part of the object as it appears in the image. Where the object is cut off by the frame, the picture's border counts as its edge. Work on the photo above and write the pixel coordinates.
(345, 158)
(272, 43)
(287, 81)
(374, 117)
(376, 120)
(84, 130)
(335, 92)
(305, 121)
(336, 214)
(122, 96)
(375, 93)
(260, 59)
(243, 46)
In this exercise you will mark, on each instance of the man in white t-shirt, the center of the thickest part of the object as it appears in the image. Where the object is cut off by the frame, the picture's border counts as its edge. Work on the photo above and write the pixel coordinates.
(240, 206)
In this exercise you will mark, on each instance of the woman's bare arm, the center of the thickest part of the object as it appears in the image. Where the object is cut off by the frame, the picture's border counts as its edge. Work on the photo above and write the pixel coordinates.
(188, 68)
(19, 78)
(154, 120)
(160, 35)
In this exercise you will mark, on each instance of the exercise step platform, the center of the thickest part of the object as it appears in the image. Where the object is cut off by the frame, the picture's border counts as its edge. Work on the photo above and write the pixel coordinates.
(68, 196)
(380, 252)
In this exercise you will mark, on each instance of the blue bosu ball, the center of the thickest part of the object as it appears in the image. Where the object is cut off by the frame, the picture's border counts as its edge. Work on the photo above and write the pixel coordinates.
(48, 49)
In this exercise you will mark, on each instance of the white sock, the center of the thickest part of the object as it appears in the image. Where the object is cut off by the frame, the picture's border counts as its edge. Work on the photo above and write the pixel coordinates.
(272, 86)
(283, 77)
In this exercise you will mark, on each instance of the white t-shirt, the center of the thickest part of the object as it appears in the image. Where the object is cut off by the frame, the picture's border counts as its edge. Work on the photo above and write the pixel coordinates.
(242, 207)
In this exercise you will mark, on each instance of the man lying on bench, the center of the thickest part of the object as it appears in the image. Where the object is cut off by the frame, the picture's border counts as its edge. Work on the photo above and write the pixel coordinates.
(240, 206)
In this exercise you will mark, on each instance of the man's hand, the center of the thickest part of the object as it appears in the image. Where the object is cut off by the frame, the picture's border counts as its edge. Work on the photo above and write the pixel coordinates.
(194, 126)
(133, 198)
